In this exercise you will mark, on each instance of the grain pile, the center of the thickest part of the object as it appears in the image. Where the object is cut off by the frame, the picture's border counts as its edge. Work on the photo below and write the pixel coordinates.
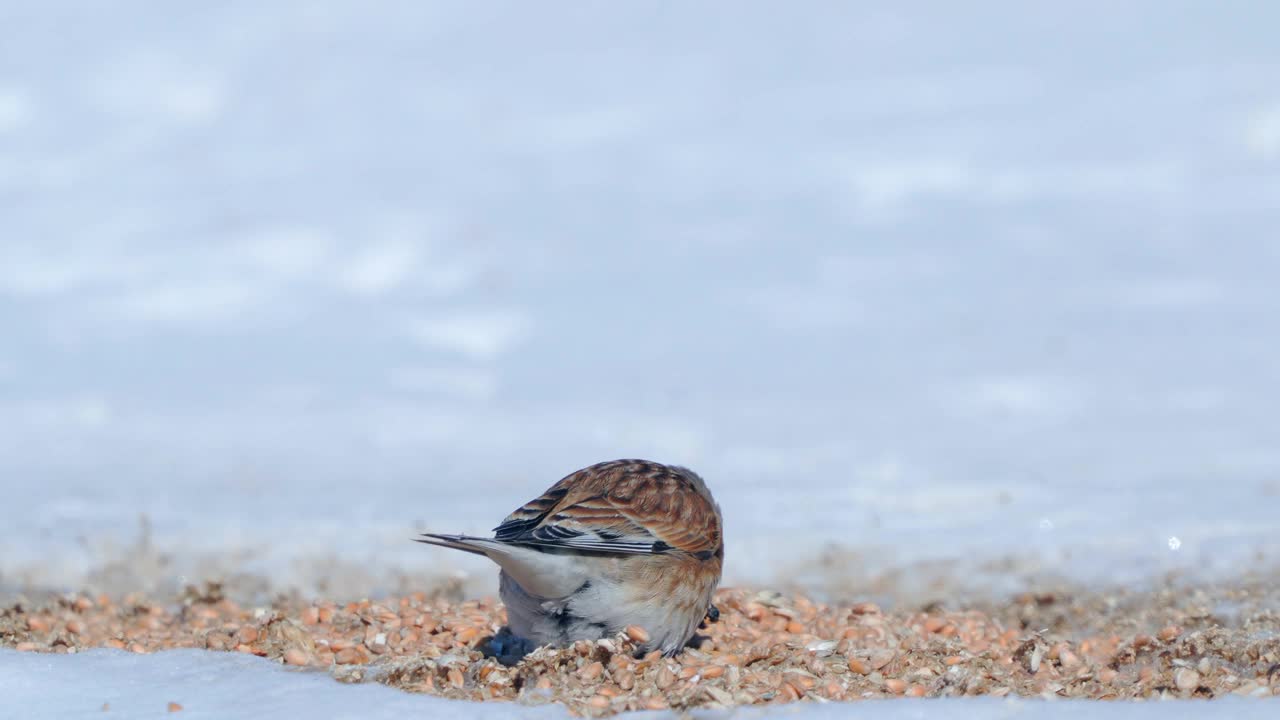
(766, 647)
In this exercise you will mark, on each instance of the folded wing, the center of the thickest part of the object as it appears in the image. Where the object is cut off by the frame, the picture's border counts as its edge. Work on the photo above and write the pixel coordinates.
(627, 507)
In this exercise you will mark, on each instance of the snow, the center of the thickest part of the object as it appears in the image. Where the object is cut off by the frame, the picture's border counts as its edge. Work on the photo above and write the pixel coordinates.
(231, 685)
(210, 685)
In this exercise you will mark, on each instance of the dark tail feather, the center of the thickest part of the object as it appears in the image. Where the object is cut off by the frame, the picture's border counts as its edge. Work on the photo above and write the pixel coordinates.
(457, 542)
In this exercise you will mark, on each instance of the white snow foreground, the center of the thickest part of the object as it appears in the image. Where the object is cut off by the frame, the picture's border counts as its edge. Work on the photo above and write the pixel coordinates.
(211, 685)
(231, 685)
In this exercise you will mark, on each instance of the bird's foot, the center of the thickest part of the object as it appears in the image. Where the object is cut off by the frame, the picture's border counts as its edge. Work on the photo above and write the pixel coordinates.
(713, 615)
(506, 647)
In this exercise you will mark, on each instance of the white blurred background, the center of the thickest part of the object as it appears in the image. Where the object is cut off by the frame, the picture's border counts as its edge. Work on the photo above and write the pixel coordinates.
(906, 282)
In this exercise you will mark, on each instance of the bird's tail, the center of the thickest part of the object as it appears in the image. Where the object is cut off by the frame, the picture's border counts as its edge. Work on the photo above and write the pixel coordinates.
(539, 573)
(466, 543)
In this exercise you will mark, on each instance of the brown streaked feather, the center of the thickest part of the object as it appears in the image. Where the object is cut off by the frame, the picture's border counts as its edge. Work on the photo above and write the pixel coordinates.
(529, 515)
(625, 502)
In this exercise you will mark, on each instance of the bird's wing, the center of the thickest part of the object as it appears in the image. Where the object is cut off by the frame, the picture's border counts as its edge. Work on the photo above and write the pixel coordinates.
(631, 513)
(594, 524)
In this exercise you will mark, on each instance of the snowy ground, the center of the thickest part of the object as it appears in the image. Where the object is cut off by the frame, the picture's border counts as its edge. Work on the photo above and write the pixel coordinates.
(932, 282)
(230, 685)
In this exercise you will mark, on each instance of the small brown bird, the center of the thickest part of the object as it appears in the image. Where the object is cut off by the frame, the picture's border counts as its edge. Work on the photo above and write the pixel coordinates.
(625, 542)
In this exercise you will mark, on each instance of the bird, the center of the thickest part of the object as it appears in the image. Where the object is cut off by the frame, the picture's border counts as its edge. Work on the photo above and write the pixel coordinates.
(616, 544)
